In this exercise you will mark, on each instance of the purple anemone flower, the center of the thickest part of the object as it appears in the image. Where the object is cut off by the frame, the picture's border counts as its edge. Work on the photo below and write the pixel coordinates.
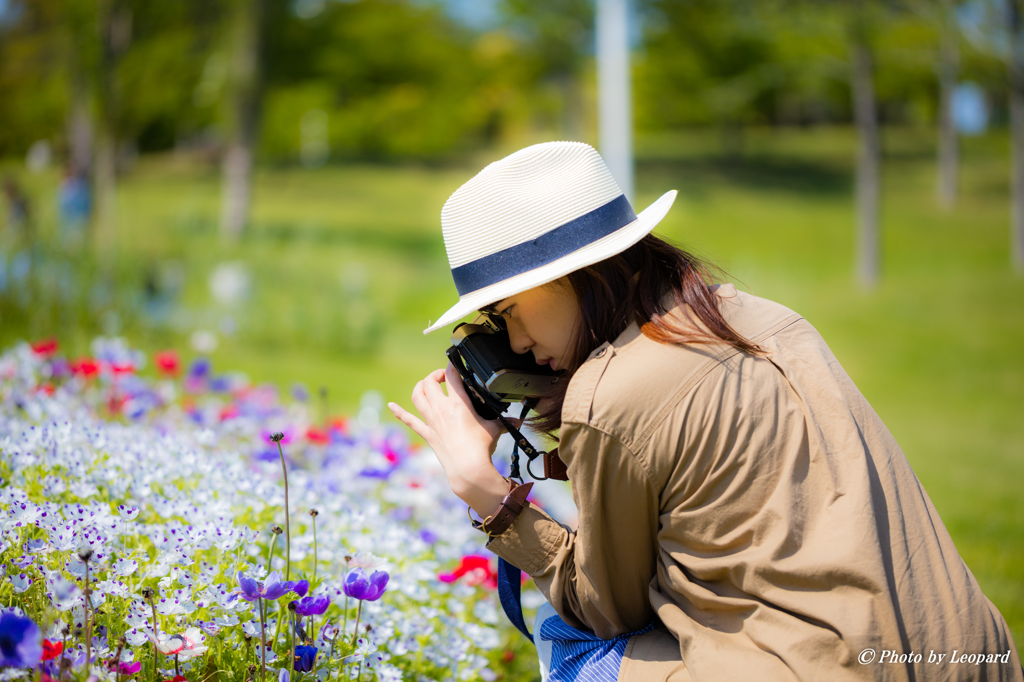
(272, 588)
(220, 384)
(200, 368)
(304, 658)
(359, 586)
(313, 605)
(301, 588)
(21, 641)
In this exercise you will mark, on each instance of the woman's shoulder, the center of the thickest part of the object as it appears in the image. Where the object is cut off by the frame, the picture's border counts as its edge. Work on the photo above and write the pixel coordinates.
(625, 386)
(753, 317)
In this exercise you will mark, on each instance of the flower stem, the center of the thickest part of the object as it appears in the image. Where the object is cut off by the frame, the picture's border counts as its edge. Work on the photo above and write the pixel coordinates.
(291, 645)
(277, 628)
(359, 612)
(287, 519)
(63, 652)
(263, 640)
(156, 637)
(344, 625)
(88, 623)
(314, 549)
(270, 554)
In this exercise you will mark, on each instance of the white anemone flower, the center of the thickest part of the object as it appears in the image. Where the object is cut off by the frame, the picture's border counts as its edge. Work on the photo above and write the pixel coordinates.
(186, 645)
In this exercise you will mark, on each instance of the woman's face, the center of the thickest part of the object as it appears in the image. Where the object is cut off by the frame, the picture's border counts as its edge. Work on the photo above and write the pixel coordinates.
(541, 320)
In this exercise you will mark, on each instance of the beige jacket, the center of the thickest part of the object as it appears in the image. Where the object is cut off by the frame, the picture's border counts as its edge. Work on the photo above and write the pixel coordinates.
(758, 509)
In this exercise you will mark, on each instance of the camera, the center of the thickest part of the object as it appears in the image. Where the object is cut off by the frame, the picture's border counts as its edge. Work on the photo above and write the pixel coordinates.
(494, 375)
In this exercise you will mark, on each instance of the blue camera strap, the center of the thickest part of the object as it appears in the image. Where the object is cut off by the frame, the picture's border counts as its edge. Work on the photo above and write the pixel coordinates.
(510, 580)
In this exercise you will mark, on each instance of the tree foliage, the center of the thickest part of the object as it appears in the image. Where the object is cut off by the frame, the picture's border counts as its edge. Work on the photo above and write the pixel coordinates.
(401, 78)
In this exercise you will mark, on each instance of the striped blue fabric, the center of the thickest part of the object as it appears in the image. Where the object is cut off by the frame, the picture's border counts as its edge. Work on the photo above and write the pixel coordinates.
(580, 655)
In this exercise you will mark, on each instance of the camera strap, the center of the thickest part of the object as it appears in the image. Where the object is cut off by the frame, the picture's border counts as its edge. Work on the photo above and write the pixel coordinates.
(510, 580)
(518, 440)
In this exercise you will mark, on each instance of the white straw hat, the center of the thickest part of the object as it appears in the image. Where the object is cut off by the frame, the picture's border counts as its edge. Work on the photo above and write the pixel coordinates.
(533, 217)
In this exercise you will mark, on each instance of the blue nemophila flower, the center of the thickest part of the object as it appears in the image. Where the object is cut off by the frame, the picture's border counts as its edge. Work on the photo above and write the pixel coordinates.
(358, 586)
(127, 512)
(313, 605)
(21, 641)
(304, 658)
(272, 588)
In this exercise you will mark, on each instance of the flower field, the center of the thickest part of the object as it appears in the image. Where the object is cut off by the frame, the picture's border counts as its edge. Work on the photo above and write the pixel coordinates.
(145, 533)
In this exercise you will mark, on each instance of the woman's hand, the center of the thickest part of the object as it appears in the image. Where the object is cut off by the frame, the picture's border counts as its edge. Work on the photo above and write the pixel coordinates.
(462, 441)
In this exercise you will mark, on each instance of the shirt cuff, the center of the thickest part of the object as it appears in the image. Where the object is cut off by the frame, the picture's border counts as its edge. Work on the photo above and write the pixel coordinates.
(531, 540)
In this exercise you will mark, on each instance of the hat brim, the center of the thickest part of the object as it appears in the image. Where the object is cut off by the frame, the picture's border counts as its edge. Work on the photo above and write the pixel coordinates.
(603, 248)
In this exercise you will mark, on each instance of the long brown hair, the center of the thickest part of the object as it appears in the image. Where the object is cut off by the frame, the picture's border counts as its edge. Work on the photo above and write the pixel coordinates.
(630, 287)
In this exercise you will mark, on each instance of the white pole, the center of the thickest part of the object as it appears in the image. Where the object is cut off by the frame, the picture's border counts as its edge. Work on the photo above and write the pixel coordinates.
(614, 92)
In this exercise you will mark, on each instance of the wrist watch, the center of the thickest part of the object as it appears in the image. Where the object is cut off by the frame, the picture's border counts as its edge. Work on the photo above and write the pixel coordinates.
(514, 502)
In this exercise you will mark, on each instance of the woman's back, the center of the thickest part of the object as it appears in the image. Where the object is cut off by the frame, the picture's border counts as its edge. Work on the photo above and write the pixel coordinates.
(760, 507)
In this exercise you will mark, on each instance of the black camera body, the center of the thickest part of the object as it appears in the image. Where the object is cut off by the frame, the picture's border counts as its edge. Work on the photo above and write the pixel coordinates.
(494, 375)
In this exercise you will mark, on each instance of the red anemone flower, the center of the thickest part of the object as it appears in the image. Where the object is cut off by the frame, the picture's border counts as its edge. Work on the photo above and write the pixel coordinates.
(52, 650)
(477, 571)
(116, 404)
(85, 367)
(168, 362)
(122, 367)
(315, 435)
(45, 348)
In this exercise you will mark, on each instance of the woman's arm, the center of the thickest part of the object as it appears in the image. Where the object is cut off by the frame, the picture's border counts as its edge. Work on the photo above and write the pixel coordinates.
(597, 578)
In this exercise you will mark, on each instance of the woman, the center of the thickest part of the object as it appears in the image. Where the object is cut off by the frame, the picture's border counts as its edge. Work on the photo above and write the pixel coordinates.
(736, 492)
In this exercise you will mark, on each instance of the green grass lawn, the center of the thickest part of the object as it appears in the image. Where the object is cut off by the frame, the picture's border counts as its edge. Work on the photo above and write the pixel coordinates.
(348, 266)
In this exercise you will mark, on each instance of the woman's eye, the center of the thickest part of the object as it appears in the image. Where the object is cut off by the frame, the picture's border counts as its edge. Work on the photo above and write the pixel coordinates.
(507, 312)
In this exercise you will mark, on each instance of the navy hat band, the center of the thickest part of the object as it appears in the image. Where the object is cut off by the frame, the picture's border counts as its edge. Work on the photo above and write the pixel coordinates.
(547, 248)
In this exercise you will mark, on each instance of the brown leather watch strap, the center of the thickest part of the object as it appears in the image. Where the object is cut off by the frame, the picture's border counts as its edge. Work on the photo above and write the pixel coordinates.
(514, 502)
(554, 467)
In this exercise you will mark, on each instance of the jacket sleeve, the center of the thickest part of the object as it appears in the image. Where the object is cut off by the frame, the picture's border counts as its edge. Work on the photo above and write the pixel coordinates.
(598, 577)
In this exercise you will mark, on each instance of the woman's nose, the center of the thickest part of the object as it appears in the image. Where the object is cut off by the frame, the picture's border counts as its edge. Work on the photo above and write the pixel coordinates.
(518, 339)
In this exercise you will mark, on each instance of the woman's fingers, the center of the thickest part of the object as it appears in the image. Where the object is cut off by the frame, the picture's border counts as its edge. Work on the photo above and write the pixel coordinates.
(421, 400)
(455, 384)
(413, 422)
(432, 385)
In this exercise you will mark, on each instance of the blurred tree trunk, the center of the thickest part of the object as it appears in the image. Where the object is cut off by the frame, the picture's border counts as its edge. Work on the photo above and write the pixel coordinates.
(80, 124)
(949, 67)
(114, 19)
(868, 154)
(615, 92)
(572, 106)
(244, 104)
(1016, 69)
